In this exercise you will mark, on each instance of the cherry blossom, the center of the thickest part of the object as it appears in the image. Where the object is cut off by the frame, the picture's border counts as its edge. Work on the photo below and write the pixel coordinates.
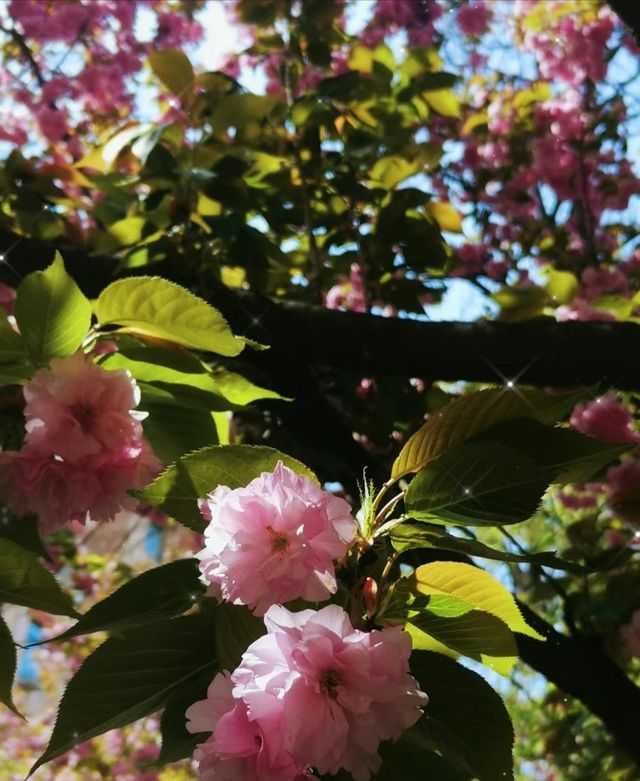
(274, 540)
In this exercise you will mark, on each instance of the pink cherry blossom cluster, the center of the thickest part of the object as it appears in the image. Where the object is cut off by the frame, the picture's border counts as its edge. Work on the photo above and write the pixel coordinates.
(416, 16)
(605, 418)
(84, 446)
(274, 540)
(567, 48)
(348, 293)
(101, 35)
(313, 693)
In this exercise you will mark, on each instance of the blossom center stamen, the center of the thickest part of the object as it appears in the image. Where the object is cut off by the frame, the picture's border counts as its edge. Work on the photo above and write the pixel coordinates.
(280, 541)
(329, 683)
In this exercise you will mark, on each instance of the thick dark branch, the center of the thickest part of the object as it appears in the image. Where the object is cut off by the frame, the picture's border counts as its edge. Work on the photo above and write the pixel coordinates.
(580, 667)
(535, 352)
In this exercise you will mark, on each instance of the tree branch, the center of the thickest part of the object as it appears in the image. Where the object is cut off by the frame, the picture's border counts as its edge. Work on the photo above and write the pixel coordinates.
(580, 667)
(535, 352)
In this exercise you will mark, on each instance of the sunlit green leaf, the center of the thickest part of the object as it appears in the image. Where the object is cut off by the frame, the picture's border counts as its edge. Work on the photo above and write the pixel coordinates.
(177, 490)
(24, 581)
(131, 676)
(153, 308)
(174, 70)
(7, 666)
(155, 595)
(52, 313)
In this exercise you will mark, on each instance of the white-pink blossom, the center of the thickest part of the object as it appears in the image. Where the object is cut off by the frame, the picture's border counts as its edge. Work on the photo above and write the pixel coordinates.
(339, 691)
(84, 447)
(239, 748)
(274, 540)
(313, 693)
(605, 418)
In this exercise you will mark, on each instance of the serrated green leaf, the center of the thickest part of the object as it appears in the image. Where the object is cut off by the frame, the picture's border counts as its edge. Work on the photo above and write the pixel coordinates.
(8, 662)
(477, 736)
(411, 536)
(236, 629)
(52, 313)
(565, 455)
(412, 759)
(177, 490)
(12, 347)
(23, 531)
(177, 742)
(476, 587)
(477, 484)
(176, 428)
(174, 70)
(154, 308)
(467, 415)
(24, 581)
(129, 677)
(160, 593)
(475, 634)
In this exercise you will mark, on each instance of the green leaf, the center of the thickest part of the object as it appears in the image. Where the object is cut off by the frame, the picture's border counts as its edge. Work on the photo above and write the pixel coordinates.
(153, 308)
(471, 413)
(236, 629)
(444, 101)
(23, 531)
(129, 677)
(8, 661)
(12, 347)
(174, 70)
(446, 215)
(160, 593)
(24, 581)
(475, 634)
(476, 587)
(565, 455)
(52, 313)
(477, 736)
(175, 429)
(477, 484)
(409, 536)
(15, 374)
(412, 759)
(239, 390)
(177, 742)
(390, 171)
(177, 490)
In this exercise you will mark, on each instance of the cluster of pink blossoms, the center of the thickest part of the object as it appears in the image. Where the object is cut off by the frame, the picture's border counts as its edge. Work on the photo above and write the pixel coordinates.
(274, 540)
(84, 446)
(312, 693)
(606, 419)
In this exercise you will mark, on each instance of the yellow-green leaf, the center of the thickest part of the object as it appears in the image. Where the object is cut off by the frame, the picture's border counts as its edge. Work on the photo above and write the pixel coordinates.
(52, 313)
(174, 70)
(467, 415)
(475, 586)
(444, 101)
(561, 286)
(447, 216)
(154, 309)
(390, 171)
